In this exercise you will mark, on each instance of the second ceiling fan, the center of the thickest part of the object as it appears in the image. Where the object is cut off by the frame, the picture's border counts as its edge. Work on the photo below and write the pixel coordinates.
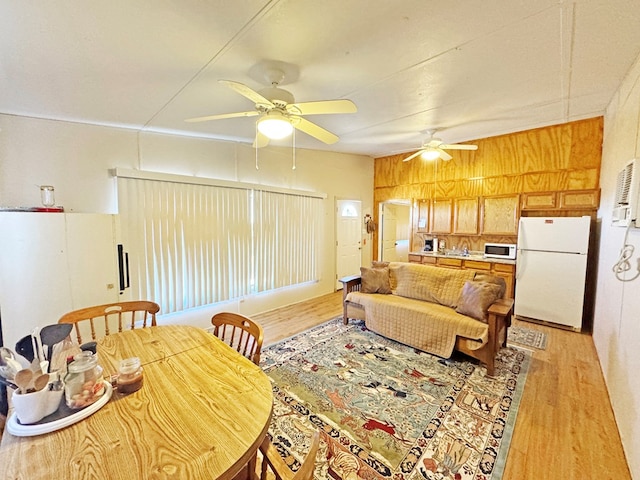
(433, 148)
(279, 113)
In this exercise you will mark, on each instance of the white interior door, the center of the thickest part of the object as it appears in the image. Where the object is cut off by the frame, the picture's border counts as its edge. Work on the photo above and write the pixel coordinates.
(389, 230)
(348, 238)
(403, 220)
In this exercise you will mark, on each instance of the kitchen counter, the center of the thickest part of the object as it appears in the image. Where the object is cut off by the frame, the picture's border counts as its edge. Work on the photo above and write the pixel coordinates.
(476, 256)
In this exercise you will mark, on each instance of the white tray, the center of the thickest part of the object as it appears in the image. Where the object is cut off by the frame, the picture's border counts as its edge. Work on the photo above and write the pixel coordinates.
(16, 428)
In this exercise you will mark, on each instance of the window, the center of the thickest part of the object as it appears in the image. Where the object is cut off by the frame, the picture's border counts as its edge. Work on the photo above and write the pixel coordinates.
(194, 244)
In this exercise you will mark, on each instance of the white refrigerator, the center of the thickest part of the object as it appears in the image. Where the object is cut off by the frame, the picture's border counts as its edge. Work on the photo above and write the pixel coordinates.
(52, 263)
(551, 269)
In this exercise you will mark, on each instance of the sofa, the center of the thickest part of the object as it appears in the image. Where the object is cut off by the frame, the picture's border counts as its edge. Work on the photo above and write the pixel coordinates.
(433, 309)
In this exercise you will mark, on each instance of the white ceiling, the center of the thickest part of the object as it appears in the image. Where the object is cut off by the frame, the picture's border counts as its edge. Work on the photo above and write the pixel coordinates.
(469, 68)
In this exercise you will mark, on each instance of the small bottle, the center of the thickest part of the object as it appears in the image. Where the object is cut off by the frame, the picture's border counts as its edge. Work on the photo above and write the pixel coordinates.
(130, 375)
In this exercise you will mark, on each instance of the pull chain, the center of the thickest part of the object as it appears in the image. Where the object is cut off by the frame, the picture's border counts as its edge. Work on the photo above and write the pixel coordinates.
(256, 146)
(294, 150)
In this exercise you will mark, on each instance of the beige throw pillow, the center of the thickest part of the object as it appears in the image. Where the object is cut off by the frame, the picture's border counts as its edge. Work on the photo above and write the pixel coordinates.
(476, 298)
(375, 280)
(379, 264)
(485, 277)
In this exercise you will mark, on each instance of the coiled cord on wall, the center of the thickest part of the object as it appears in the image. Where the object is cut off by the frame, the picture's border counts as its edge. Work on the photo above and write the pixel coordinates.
(623, 264)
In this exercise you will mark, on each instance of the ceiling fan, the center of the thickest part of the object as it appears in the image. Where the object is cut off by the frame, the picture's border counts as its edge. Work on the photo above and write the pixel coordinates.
(433, 148)
(279, 113)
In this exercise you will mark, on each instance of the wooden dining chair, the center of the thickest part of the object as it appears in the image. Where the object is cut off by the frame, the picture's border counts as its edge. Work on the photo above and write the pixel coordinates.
(272, 459)
(101, 320)
(240, 333)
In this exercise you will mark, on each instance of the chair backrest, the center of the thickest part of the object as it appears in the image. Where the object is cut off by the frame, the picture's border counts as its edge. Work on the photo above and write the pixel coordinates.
(240, 333)
(101, 320)
(271, 458)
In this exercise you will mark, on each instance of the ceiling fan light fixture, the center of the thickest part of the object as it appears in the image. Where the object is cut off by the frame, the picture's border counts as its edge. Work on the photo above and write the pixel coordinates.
(430, 154)
(275, 125)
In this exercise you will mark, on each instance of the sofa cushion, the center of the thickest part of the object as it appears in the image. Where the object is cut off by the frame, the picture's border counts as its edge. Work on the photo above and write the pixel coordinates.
(375, 280)
(428, 283)
(427, 326)
(477, 297)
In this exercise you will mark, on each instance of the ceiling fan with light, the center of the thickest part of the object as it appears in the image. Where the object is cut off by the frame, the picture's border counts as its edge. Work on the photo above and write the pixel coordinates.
(433, 148)
(279, 113)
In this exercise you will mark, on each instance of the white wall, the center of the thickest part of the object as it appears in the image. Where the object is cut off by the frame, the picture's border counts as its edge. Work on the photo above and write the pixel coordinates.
(77, 158)
(617, 310)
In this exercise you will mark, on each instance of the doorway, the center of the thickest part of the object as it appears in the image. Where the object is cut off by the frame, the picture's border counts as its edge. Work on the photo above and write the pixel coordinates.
(395, 223)
(348, 239)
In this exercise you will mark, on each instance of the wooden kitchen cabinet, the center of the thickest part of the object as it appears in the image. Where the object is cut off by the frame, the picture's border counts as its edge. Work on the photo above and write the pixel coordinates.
(465, 216)
(508, 272)
(500, 215)
(422, 216)
(539, 201)
(449, 262)
(441, 216)
(566, 200)
(580, 199)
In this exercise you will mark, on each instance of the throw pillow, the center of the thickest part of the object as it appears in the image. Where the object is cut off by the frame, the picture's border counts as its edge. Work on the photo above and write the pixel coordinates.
(485, 277)
(476, 298)
(375, 280)
(378, 264)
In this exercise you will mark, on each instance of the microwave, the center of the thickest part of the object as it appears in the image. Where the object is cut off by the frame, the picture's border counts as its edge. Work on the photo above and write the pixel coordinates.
(500, 250)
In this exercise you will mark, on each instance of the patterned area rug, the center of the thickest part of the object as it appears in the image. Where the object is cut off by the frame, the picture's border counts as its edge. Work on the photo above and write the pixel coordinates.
(527, 337)
(386, 411)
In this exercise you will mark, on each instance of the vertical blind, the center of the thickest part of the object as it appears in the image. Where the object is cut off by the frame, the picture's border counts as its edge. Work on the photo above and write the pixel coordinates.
(191, 245)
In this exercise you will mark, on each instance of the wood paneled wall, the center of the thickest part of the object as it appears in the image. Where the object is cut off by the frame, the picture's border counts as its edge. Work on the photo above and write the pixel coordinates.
(550, 159)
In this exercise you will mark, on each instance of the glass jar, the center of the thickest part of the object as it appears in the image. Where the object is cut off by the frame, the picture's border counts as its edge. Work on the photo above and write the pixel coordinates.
(130, 375)
(83, 382)
(47, 195)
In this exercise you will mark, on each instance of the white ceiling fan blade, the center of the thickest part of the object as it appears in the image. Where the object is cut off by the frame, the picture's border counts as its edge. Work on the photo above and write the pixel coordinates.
(260, 140)
(456, 146)
(247, 92)
(411, 157)
(323, 107)
(314, 130)
(444, 155)
(221, 116)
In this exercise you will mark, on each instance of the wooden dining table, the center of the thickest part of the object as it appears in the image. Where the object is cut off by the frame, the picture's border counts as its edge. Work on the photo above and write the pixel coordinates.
(202, 412)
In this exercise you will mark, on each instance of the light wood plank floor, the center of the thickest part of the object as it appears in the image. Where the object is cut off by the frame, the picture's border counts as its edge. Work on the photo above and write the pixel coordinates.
(565, 427)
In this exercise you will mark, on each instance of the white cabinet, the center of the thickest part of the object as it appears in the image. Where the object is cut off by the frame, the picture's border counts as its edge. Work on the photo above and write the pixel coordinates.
(52, 263)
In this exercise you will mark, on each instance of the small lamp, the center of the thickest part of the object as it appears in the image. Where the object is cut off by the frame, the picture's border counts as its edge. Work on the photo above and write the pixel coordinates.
(275, 125)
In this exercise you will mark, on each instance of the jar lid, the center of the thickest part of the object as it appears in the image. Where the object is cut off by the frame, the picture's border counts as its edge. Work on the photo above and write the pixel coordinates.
(129, 365)
(82, 362)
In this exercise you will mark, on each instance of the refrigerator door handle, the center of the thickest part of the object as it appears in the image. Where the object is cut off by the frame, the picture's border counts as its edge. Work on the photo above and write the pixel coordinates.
(519, 264)
(126, 261)
(123, 268)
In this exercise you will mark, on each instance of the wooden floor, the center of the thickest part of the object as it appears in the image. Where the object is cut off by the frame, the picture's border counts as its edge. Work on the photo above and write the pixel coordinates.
(565, 427)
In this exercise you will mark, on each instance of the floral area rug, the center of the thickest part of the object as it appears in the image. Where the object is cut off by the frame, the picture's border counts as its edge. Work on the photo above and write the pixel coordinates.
(387, 411)
(527, 337)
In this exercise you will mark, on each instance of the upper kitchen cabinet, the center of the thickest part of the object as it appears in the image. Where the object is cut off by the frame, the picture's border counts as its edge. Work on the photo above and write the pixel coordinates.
(500, 214)
(465, 216)
(580, 199)
(562, 200)
(441, 216)
(422, 216)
